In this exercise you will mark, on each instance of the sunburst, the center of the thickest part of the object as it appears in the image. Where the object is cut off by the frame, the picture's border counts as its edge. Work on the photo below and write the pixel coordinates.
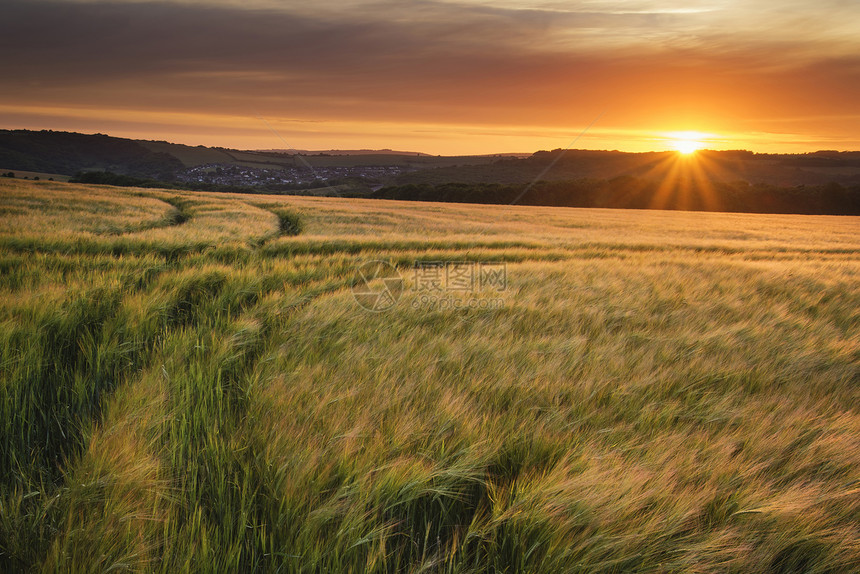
(688, 142)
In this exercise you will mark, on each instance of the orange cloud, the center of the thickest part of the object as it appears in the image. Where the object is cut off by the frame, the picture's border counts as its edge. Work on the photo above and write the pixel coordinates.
(443, 77)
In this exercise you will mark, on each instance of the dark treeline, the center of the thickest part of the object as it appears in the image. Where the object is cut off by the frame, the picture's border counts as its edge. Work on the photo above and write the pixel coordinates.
(634, 193)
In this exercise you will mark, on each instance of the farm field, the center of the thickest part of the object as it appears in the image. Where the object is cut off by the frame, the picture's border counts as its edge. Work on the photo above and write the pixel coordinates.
(35, 174)
(188, 383)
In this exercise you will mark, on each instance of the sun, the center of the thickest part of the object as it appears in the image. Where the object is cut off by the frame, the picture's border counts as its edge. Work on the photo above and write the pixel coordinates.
(686, 142)
(687, 147)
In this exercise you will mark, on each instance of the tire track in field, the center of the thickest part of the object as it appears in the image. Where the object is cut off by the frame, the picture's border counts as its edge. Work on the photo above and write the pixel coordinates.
(177, 214)
(187, 311)
(215, 456)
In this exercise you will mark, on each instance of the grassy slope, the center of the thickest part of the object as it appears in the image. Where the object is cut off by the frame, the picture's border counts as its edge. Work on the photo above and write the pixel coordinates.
(185, 385)
(190, 156)
(193, 156)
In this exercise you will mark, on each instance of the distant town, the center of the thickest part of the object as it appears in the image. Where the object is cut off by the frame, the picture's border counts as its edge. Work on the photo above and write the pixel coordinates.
(223, 174)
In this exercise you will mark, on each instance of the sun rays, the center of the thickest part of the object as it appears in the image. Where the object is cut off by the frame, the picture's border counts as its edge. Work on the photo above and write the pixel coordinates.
(686, 181)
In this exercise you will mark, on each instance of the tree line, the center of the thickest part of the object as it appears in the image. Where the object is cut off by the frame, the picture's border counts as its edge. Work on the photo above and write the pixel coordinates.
(627, 192)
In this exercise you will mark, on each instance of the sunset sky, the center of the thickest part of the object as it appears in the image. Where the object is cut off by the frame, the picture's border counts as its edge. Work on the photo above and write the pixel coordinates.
(442, 77)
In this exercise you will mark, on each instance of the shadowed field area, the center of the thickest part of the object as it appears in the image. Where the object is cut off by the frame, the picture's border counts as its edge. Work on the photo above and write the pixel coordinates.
(187, 384)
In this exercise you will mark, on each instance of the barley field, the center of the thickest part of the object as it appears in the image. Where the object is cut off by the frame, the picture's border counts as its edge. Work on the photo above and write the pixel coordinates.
(188, 383)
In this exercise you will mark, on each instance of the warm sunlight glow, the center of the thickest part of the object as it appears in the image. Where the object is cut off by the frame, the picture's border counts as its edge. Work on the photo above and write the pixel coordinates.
(687, 142)
(687, 147)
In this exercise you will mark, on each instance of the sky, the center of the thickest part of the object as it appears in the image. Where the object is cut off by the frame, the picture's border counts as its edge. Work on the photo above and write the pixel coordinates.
(442, 77)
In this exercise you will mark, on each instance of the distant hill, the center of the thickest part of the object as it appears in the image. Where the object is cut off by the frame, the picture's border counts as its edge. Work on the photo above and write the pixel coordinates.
(825, 182)
(65, 153)
(344, 152)
(815, 168)
(68, 153)
(384, 152)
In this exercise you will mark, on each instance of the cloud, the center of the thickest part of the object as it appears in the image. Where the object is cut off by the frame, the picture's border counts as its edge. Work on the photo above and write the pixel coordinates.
(527, 63)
